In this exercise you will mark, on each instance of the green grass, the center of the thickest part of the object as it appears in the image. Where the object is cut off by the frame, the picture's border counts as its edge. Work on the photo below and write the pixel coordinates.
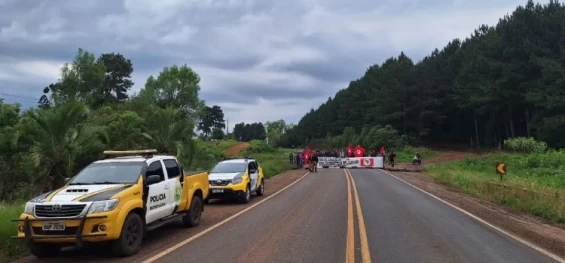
(534, 183)
(10, 249)
(274, 163)
(222, 145)
(406, 154)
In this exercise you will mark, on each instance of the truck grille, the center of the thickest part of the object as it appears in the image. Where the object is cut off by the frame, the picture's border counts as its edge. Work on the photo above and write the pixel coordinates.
(219, 182)
(68, 231)
(60, 211)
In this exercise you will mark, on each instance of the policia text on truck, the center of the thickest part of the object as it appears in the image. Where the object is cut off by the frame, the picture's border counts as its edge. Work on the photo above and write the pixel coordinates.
(116, 199)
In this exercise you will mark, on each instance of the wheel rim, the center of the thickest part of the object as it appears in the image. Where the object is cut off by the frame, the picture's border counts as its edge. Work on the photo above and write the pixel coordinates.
(262, 187)
(247, 194)
(132, 234)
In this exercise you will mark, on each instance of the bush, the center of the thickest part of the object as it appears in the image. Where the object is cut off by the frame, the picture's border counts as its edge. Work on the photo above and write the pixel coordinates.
(258, 146)
(525, 145)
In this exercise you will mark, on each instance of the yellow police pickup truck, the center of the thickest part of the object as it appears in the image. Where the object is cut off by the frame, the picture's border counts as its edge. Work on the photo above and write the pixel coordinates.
(236, 178)
(117, 199)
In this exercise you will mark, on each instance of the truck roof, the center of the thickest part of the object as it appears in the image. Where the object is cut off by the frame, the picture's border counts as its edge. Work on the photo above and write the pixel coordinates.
(238, 160)
(136, 159)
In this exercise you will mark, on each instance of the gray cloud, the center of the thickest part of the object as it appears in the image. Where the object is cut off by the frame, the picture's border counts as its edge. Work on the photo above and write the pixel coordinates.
(259, 59)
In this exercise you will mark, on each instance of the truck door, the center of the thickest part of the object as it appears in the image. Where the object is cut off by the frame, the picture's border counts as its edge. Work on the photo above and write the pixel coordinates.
(175, 183)
(253, 175)
(158, 195)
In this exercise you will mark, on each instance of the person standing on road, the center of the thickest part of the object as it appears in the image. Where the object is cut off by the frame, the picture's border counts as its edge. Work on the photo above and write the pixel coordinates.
(314, 163)
(392, 158)
(291, 158)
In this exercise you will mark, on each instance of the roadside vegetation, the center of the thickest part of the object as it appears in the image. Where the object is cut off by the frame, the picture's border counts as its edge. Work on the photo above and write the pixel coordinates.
(534, 182)
(91, 109)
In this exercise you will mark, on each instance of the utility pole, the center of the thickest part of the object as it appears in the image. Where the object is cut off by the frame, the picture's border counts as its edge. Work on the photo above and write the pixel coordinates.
(227, 126)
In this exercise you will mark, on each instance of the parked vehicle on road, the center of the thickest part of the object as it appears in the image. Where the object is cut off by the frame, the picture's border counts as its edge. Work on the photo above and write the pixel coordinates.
(236, 178)
(117, 199)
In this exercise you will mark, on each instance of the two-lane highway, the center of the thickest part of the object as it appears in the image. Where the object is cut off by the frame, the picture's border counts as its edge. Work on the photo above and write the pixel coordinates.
(350, 216)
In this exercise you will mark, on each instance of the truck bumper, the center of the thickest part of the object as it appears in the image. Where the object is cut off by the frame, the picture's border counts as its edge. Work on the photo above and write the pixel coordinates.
(72, 234)
(226, 193)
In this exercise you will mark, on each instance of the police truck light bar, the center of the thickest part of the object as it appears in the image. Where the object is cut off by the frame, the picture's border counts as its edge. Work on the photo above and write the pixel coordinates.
(148, 152)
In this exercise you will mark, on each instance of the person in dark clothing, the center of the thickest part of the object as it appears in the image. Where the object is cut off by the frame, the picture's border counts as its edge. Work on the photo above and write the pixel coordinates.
(291, 158)
(392, 158)
(314, 163)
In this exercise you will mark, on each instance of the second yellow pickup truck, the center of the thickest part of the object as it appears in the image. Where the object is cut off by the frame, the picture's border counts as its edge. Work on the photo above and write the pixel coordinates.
(116, 199)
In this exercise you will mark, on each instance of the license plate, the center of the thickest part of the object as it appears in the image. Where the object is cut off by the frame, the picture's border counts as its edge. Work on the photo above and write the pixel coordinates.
(53, 226)
(217, 190)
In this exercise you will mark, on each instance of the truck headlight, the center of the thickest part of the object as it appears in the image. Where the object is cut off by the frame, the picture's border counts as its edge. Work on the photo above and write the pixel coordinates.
(237, 180)
(29, 208)
(103, 206)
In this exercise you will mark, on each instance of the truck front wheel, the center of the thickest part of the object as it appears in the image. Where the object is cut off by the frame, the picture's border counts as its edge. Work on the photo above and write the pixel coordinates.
(131, 237)
(192, 217)
(261, 189)
(44, 250)
(246, 197)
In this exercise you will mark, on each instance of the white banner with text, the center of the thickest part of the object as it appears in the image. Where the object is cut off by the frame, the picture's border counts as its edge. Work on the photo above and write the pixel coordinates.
(351, 162)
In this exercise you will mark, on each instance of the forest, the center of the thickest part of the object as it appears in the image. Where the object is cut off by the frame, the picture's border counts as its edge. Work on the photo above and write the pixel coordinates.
(504, 81)
(88, 110)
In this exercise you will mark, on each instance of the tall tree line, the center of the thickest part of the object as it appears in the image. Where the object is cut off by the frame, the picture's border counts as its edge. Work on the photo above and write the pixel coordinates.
(503, 81)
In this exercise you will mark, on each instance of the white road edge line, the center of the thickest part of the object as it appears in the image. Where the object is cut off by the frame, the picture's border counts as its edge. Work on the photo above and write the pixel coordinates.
(201, 233)
(523, 241)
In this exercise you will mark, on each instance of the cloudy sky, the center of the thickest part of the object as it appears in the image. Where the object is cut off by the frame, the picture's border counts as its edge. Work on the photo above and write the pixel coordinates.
(259, 59)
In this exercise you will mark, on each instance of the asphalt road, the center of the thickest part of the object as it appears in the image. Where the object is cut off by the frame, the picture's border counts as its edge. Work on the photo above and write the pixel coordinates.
(406, 225)
(319, 219)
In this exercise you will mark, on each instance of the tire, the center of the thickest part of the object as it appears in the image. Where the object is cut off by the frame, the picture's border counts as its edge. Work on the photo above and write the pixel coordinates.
(44, 250)
(261, 190)
(192, 217)
(246, 196)
(131, 237)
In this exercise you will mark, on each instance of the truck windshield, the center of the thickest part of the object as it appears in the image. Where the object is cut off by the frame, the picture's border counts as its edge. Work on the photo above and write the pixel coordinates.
(229, 168)
(109, 173)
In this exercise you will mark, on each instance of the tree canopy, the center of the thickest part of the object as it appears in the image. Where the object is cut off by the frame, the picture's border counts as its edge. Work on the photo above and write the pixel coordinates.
(503, 81)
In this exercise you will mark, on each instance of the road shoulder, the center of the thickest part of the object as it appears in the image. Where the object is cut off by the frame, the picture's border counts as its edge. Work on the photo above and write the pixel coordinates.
(533, 229)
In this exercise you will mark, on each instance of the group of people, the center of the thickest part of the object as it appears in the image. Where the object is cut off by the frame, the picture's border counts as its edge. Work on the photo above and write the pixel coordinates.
(298, 158)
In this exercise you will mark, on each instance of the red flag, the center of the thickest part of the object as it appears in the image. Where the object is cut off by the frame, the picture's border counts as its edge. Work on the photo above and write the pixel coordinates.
(359, 151)
(307, 153)
(349, 150)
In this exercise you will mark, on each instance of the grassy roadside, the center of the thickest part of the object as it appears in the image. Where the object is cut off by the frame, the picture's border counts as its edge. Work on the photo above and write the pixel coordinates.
(406, 154)
(10, 249)
(534, 183)
(273, 160)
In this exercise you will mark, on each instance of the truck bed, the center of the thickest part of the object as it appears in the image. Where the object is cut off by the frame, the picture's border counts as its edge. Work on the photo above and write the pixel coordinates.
(189, 173)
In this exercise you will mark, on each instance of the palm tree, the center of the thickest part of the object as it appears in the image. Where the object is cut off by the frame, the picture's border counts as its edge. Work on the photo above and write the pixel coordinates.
(170, 131)
(57, 138)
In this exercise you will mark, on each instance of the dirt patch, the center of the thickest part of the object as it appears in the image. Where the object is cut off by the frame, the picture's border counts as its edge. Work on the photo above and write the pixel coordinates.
(535, 230)
(236, 149)
(172, 234)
